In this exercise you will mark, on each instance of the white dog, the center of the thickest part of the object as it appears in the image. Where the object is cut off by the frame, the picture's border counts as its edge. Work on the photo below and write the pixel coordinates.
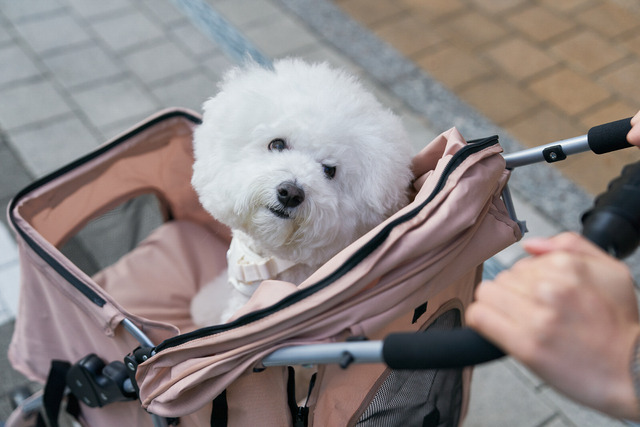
(299, 161)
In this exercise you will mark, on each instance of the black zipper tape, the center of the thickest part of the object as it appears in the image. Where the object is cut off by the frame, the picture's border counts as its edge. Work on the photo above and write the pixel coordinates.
(375, 242)
(48, 258)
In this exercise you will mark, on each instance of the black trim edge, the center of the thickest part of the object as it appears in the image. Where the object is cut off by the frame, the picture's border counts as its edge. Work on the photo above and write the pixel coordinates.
(48, 258)
(377, 240)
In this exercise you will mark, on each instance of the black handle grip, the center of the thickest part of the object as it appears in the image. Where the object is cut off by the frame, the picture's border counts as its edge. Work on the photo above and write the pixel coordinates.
(614, 221)
(609, 136)
(455, 348)
(613, 224)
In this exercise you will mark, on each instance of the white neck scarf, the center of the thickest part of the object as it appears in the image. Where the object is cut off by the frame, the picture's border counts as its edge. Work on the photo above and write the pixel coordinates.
(247, 269)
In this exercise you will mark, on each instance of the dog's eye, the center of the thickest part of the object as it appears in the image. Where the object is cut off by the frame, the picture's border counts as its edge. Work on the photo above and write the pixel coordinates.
(278, 144)
(329, 171)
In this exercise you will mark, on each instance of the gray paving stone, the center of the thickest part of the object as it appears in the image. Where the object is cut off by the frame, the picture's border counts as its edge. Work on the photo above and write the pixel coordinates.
(558, 421)
(189, 91)
(47, 146)
(217, 65)
(93, 9)
(280, 37)
(322, 53)
(13, 176)
(158, 62)
(193, 41)
(52, 32)
(114, 102)
(246, 13)
(5, 36)
(120, 127)
(578, 414)
(10, 378)
(25, 9)
(127, 31)
(363, 47)
(162, 11)
(29, 103)
(419, 134)
(16, 65)
(83, 66)
(501, 399)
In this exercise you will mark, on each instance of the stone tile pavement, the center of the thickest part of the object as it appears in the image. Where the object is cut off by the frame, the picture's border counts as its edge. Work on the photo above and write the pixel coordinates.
(542, 70)
(75, 73)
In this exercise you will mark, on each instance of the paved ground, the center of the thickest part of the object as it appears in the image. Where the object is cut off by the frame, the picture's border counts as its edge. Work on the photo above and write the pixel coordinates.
(542, 70)
(75, 73)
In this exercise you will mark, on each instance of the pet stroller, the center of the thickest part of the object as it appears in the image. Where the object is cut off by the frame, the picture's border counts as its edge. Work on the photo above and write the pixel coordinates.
(114, 245)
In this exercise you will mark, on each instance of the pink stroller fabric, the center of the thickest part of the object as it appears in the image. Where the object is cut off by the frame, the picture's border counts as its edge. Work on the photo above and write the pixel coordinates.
(431, 251)
(435, 241)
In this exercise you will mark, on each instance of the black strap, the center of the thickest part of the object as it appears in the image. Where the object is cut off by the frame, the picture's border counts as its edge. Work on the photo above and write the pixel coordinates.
(53, 394)
(220, 411)
(291, 392)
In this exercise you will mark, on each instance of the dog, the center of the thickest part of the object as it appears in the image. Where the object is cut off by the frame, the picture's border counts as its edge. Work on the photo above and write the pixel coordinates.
(298, 161)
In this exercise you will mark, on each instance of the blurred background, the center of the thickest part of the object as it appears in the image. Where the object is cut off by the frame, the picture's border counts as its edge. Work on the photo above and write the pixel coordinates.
(76, 73)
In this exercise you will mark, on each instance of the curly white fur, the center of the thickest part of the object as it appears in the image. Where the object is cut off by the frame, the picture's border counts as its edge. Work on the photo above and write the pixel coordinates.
(348, 156)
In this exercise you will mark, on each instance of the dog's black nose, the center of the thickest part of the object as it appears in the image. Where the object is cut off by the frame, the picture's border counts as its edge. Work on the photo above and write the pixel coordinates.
(290, 195)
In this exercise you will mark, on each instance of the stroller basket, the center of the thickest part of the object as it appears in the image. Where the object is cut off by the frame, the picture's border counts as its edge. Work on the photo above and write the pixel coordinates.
(117, 242)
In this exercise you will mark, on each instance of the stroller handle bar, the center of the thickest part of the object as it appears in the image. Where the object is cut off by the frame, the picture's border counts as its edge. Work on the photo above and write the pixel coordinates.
(600, 139)
(613, 223)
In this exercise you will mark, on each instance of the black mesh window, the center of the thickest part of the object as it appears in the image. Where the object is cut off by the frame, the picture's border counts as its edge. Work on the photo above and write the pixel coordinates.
(424, 398)
(108, 237)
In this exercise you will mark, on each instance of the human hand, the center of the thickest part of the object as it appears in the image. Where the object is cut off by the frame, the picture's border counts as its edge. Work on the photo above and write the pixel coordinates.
(570, 314)
(634, 134)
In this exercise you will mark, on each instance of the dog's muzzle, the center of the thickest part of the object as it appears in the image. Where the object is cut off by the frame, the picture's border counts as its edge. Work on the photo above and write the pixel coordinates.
(289, 196)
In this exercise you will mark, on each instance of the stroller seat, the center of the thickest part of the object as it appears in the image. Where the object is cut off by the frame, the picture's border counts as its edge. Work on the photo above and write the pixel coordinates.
(158, 278)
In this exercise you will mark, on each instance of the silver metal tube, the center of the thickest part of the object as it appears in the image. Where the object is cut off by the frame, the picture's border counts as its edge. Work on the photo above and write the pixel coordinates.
(315, 354)
(159, 421)
(137, 333)
(570, 146)
(144, 341)
(32, 403)
(511, 210)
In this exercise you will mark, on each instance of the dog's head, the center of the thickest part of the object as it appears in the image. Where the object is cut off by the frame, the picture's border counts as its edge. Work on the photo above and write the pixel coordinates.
(301, 158)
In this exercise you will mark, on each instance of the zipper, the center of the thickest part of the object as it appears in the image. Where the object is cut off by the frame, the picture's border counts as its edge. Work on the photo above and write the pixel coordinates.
(473, 147)
(72, 279)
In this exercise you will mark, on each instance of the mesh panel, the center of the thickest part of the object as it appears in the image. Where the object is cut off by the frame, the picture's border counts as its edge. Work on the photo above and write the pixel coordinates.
(427, 398)
(106, 238)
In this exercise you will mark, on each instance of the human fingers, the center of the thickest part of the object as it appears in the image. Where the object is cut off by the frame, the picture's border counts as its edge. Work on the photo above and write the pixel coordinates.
(496, 314)
(634, 134)
(570, 259)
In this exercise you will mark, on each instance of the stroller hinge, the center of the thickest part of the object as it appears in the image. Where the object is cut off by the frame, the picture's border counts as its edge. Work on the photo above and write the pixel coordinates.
(132, 361)
(97, 384)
